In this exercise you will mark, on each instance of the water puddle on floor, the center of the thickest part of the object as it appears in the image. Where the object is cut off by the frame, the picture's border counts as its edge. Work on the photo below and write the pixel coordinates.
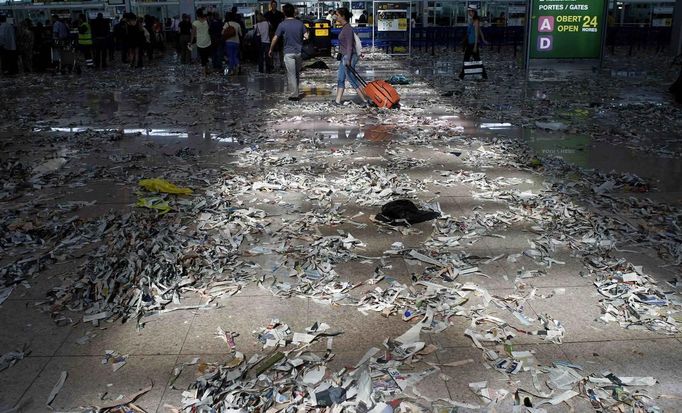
(151, 133)
(580, 150)
(315, 91)
(370, 133)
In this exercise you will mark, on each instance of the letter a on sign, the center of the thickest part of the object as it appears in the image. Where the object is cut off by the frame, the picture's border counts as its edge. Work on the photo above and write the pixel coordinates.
(545, 24)
(545, 43)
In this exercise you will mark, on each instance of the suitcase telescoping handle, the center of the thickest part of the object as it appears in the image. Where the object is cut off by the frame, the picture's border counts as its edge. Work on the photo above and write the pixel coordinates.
(355, 73)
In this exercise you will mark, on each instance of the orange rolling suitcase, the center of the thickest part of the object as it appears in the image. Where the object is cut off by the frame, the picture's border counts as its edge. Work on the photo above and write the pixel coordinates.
(382, 93)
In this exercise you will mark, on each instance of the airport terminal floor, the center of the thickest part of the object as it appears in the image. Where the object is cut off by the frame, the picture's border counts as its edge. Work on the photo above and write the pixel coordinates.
(172, 241)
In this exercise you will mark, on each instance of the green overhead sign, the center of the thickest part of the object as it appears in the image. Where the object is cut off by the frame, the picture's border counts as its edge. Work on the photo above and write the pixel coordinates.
(566, 29)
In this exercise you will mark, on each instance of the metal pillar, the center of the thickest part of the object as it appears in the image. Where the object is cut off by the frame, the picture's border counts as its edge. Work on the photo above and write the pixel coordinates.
(676, 39)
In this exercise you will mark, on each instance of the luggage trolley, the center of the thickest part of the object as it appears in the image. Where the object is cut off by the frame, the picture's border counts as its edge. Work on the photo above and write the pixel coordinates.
(66, 56)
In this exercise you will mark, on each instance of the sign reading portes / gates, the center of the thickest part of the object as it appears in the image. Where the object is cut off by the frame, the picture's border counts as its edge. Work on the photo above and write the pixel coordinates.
(566, 29)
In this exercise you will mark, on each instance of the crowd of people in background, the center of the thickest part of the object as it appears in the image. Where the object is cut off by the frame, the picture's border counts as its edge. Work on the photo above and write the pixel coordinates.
(275, 41)
(32, 46)
(219, 43)
(41, 46)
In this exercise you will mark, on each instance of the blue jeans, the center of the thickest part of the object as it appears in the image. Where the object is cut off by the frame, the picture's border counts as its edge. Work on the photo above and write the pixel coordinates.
(232, 51)
(344, 72)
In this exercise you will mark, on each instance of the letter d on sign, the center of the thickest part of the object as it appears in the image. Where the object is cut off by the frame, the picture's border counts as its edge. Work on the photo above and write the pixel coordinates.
(545, 43)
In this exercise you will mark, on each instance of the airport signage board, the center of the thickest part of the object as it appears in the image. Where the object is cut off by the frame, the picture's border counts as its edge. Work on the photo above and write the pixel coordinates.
(392, 17)
(566, 29)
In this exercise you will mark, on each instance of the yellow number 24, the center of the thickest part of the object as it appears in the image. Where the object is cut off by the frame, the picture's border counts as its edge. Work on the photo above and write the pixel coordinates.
(589, 21)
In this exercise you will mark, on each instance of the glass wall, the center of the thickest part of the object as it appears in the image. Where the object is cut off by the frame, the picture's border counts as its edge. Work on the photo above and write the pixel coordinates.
(623, 13)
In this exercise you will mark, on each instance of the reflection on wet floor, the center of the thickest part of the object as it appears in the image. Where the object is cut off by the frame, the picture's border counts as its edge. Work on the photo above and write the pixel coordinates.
(154, 133)
(580, 150)
(370, 133)
(315, 91)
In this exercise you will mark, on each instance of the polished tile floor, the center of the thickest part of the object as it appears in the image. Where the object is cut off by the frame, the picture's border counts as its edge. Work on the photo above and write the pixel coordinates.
(183, 112)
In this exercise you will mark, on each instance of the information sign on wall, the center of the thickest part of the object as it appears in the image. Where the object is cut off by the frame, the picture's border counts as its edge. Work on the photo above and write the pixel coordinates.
(392, 17)
(566, 29)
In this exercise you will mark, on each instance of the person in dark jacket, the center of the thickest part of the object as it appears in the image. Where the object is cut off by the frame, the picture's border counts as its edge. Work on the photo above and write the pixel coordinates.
(185, 27)
(41, 47)
(215, 30)
(100, 32)
(121, 37)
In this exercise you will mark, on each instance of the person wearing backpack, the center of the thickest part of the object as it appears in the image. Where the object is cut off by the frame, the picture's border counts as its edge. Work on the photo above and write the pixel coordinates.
(349, 56)
(232, 33)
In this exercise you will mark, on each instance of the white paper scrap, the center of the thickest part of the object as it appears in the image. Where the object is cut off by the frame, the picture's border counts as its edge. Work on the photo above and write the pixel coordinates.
(57, 387)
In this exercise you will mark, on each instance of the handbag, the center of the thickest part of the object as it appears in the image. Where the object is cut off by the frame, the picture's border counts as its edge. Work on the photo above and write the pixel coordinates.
(229, 32)
(358, 44)
(473, 69)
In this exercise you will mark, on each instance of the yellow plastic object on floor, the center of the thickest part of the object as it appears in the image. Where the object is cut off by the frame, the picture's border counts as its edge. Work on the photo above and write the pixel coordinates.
(161, 185)
(156, 203)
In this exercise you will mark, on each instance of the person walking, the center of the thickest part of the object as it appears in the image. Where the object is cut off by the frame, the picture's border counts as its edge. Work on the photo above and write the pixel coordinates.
(293, 32)
(232, 33)
(202, 38)
(135, 40)
(215, 30)
(184, 39)
(474, 39)
(8, 47)
(100, 32)
(263, 30)
(349, 56)
(275, 17)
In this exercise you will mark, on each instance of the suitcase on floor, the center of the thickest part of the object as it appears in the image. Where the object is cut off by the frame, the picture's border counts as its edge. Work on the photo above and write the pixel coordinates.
(382, 93)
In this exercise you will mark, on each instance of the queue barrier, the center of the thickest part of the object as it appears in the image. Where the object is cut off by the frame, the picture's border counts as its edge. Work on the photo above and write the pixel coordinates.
(425, 38)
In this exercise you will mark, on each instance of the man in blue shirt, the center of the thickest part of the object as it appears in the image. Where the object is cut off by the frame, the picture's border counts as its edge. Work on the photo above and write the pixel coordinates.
(59, 29)
(293, 31)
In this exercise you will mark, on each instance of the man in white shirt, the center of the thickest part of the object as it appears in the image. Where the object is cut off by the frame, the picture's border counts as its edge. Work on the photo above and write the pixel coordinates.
(202, 38)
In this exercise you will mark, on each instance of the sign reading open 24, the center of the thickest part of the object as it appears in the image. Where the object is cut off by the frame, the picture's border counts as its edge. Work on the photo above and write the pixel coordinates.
(566, 29)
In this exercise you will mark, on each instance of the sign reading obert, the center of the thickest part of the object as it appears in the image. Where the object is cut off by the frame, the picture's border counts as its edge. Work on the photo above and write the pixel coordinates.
(566, 29)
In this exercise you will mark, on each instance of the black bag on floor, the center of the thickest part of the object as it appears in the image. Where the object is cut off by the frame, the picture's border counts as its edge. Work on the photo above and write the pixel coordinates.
(473, 69)
(309, 51)
(402, 212)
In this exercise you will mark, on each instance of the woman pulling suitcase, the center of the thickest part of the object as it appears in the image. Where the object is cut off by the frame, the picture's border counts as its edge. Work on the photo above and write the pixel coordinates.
(348, 56)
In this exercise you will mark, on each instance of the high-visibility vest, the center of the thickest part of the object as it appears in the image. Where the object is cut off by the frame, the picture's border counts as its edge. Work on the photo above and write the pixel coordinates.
(85, 39)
